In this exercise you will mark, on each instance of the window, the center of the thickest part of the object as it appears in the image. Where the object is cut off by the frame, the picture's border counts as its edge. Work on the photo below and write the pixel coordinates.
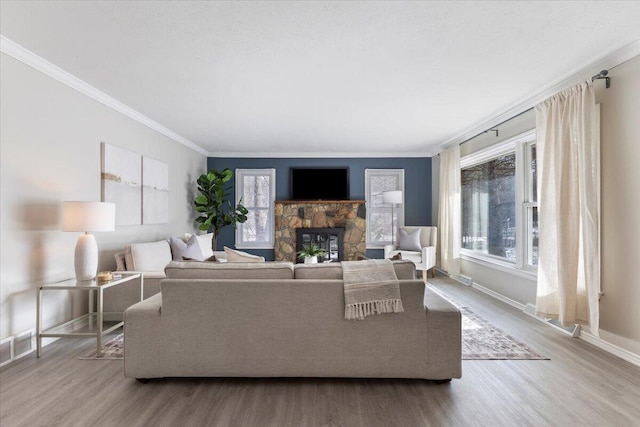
(256, 190)
(499, 207)
(530, 205)
(380, 215)
(488, 207)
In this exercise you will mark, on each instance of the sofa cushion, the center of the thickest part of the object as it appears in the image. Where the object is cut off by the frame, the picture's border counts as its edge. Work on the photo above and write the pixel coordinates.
(409, 241)
(228, 270)
(189, 249)
(328, 271)
(405, 270)
(239, 256)
(152, 256)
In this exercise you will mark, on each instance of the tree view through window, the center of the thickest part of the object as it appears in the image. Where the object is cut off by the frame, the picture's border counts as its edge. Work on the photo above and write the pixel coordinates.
(488, 207)
(380, 215)
(256, 189)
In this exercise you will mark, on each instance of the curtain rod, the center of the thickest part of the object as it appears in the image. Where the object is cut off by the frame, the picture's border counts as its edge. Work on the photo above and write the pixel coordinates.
(496, 125)
(601, 75)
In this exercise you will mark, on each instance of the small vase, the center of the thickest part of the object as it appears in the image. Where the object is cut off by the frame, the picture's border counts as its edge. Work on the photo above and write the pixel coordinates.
(311, 260)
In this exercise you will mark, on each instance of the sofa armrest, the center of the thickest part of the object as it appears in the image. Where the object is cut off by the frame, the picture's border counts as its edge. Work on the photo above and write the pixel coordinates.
(143, 336)
(388, 249)
(149, 308)
(444, 337)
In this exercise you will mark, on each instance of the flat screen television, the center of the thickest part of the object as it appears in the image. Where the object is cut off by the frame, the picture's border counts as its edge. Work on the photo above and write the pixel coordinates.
(319, 183)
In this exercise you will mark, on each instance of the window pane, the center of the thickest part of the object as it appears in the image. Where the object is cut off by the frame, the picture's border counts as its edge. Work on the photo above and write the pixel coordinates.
(534, 176)
(532, 235)
(379, 226)
(380, 183)
(255, 191)
(488, 207)
(256, 228)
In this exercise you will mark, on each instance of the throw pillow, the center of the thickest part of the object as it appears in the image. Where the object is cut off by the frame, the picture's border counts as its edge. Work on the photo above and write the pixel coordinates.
(120, 263)
(189, 249)
(205, 242)
(396, 257)
(239, 256)
(409, 241)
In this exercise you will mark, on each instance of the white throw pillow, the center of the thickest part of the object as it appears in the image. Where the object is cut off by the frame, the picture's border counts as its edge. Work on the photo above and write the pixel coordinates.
(409, 241)
(239, 256)
(204, 240)
(189, 249)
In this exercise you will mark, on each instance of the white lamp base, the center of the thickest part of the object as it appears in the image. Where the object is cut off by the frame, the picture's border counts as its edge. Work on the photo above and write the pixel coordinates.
(86, 258)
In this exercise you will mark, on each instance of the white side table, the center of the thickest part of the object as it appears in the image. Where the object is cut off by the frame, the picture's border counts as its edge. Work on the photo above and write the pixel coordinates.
(91, 324)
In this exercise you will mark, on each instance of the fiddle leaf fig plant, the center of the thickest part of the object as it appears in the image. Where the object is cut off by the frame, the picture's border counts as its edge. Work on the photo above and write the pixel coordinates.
(214, 206)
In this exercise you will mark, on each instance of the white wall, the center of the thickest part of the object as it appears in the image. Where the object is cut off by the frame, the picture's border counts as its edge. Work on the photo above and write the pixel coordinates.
(620, 139)
(620, 152)
(50, 152)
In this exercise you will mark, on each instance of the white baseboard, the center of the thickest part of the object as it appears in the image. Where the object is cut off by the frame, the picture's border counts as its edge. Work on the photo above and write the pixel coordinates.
(498, 296)
(580, 333)
(610, 348)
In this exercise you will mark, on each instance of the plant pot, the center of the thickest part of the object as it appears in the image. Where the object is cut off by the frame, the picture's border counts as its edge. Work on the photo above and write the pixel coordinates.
(311, 260)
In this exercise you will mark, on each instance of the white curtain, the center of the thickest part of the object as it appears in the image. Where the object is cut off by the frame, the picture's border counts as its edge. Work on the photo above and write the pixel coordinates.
(569, 207)
(449, 211)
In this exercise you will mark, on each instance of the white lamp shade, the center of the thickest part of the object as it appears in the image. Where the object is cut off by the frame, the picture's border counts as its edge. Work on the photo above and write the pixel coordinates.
(392, 197)
(88, 216)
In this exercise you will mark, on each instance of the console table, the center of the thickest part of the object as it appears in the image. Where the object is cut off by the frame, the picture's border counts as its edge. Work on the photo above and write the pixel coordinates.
(91, 324)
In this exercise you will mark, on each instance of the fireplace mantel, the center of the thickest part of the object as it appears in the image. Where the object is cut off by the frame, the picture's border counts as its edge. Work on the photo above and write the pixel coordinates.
(318, 202)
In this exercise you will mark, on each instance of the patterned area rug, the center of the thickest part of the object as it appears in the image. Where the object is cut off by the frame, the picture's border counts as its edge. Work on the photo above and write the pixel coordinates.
(483, 341)
(480, 341)
(111, 350)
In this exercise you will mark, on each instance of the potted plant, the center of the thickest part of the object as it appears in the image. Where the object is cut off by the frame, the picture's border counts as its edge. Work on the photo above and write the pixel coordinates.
(214, 206)
(310, 253)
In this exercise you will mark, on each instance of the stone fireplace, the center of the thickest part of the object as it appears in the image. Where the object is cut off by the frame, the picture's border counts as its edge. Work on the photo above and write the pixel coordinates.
(347, 214)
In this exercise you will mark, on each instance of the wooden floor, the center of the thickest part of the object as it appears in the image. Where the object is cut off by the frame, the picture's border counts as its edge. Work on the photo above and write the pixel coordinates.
(580, 386)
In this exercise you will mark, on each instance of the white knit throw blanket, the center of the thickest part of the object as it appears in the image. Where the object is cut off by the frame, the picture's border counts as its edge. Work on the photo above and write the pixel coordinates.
(370, 287)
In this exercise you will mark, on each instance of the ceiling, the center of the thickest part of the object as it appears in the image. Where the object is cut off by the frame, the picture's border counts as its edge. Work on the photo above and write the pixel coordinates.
(347, 78)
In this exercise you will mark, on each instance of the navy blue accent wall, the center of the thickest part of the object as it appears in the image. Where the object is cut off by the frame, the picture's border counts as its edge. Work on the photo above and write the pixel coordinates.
(417, 183)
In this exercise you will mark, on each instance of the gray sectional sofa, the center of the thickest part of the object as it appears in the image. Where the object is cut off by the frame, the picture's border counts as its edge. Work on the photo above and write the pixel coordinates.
(283, 320)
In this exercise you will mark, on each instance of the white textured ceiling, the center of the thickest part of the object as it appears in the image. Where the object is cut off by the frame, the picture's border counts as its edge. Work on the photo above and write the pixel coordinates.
(308, 77)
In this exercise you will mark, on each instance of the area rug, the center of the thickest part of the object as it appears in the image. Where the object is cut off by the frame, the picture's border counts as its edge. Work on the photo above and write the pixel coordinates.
(480, 341)
(483, 341)
(111, 350)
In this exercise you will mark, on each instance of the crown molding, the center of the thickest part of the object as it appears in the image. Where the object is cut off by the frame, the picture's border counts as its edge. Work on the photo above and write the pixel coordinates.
(319, 154)
(607, 61)
(29, 58)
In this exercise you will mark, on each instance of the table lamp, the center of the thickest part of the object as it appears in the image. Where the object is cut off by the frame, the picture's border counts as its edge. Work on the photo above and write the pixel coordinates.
(395, 198)
(86, 217)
